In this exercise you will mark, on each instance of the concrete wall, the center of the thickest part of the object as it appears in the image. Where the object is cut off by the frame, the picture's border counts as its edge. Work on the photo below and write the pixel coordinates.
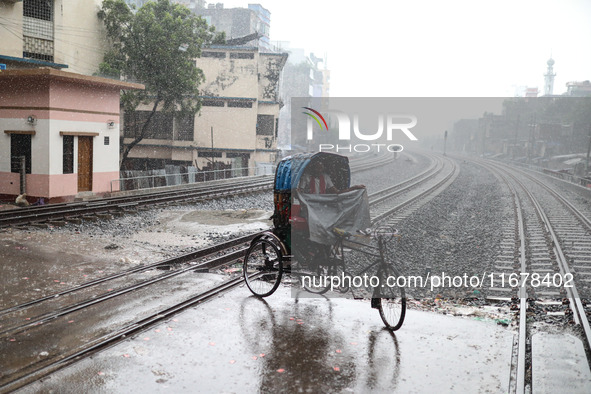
(80, 38)
(229, 77)
(11, 36)
(233, 128)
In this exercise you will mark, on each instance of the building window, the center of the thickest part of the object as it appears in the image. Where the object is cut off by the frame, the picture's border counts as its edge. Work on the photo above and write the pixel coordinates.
(241, 55)
(20, 145)
(38, 29)
(38, 9)
(160, 126)
(265, 125)
(212, 103)
(232, 155)
(185, 126)
(107, 140)
(217, 55)
(38, 56)
(209, 154)
(240, 104)
(68, 165)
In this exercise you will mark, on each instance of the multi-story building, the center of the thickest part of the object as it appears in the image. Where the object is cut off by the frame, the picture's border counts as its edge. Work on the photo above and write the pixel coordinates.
(302, 77)
(238, 123)
(241, 102)
(578, 89)
(63, 34)
(239, 22)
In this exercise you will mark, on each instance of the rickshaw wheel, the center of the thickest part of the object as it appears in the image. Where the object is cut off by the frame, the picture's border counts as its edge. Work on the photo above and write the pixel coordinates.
(263, 267)
(392, 300)
(335, 267)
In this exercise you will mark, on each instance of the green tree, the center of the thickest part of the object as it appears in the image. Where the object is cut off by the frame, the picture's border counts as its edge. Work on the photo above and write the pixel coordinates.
(155, 46)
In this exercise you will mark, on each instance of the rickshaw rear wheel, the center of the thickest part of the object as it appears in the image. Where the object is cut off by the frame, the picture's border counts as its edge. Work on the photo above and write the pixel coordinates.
(319, 281)
(391, 299)
(263, 266)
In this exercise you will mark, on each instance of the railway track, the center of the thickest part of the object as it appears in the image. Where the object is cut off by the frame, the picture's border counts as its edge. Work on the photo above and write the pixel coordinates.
(534, 269)
(111, 206)
(119, 205)
(391, 205)
(35, 325)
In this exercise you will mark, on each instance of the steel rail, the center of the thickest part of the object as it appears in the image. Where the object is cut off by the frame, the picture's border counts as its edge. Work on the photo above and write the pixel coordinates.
(38, 371)
(130, 198)
(44, 318)
(386, 193)
(65, 211)
(575, 303)
(522, 354)
(378, 218)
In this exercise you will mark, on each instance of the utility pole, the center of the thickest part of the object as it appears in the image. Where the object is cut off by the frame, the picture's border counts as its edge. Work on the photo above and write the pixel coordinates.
(445, 142)
(532, 139)
(588, 151)
(516, 132)
(212, 156)
(484, 127)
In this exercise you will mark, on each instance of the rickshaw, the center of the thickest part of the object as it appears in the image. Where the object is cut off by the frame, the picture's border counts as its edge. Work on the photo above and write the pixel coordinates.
(312, 233)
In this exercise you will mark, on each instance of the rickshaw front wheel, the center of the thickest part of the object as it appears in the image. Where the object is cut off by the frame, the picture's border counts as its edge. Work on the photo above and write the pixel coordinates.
(390, 299)
(263, 266)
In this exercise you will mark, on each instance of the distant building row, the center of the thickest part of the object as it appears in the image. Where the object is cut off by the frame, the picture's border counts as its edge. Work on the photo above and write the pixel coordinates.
(573, 89)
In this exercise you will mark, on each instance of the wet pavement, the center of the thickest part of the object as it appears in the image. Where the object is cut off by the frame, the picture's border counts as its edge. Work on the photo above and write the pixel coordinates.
(240, 344)
(37, 262)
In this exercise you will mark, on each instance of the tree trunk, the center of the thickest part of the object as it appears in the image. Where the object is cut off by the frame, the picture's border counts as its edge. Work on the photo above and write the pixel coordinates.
(140, 137)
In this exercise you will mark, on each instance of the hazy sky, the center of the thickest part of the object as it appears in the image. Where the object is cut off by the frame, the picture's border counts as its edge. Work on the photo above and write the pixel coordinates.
(438, 48)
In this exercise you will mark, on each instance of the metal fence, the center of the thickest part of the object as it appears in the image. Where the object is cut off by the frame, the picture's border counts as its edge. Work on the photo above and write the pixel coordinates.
(577, 180)
(174, 175)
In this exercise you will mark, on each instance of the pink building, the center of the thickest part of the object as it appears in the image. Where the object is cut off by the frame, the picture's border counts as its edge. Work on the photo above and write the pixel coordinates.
(66, 126)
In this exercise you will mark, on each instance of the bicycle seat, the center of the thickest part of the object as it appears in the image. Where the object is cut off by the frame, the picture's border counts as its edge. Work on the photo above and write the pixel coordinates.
(341, 233)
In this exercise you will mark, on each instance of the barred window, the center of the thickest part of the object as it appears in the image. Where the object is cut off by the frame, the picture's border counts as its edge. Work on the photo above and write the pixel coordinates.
(38, 30)
(160, 126)
(241, 55)
(212, 103)
(38, 56)
(68, 152)
(240, 104)
(20, 145)
(217, 55)
(38, 9)
(209, 154)
(265, 125)
(185, 126)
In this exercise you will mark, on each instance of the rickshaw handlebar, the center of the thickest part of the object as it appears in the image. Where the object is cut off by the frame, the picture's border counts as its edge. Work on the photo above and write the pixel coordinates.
(382, 232)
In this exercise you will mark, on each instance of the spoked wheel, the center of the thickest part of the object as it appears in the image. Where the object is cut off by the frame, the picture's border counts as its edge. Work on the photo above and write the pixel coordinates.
(319, 282)
(263, 267)
(390, 299)
(315, 266)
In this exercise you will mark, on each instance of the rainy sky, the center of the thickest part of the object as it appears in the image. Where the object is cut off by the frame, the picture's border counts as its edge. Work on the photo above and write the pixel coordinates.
(435, 48)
